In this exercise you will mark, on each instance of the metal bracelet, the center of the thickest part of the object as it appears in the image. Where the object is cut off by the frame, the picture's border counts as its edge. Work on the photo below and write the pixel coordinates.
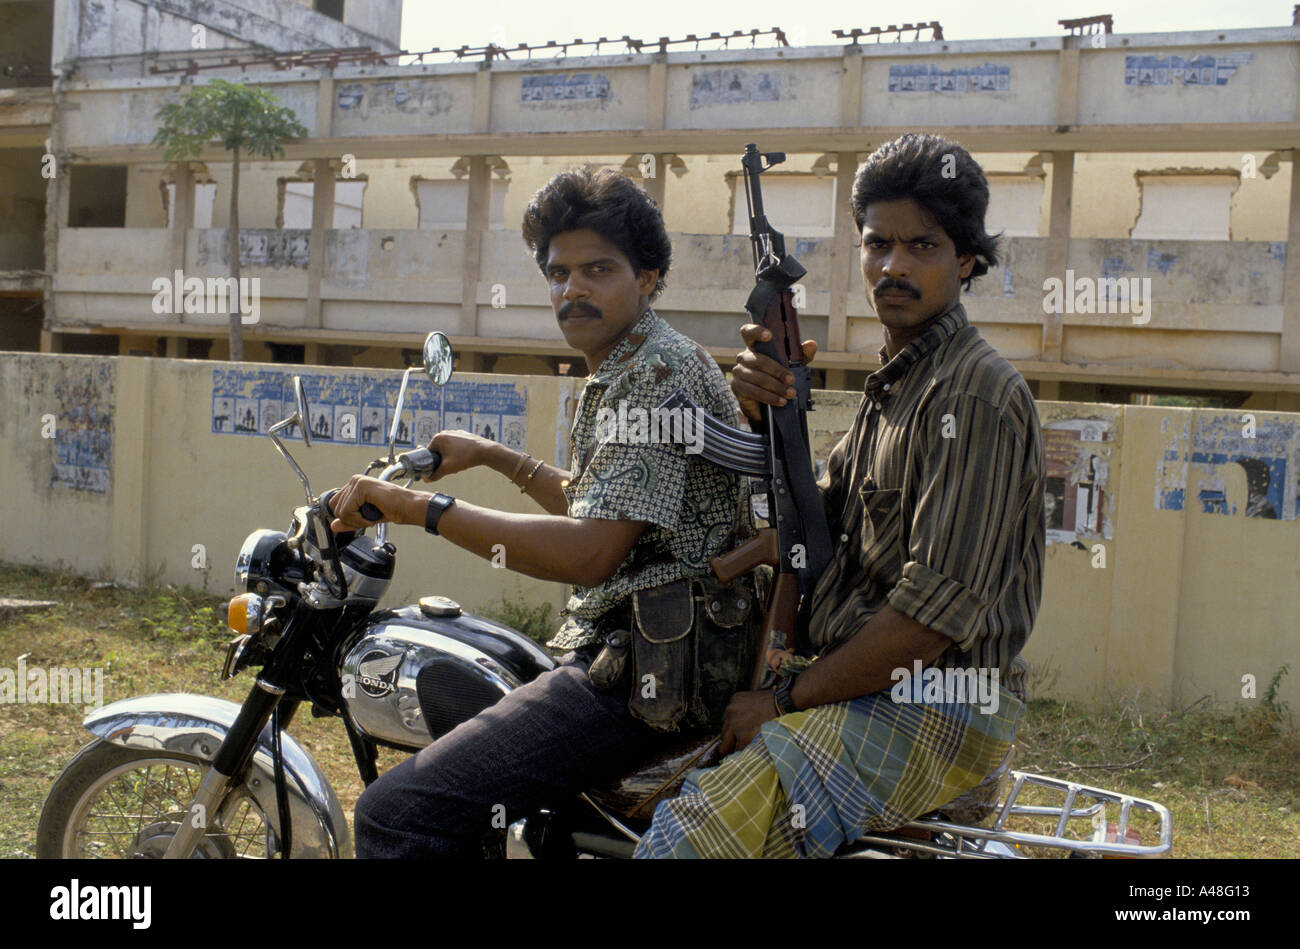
(537, 467)
(519, 467)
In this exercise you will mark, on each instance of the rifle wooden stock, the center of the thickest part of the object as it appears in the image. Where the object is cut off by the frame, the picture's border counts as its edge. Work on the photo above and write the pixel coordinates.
(757, 551)
(782, 606)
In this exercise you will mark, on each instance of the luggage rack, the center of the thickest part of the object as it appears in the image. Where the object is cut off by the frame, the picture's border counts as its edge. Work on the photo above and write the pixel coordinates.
(942, 838)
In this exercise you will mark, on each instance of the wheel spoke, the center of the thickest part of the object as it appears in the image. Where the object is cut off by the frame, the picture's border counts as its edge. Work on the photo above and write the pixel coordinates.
(115, 811)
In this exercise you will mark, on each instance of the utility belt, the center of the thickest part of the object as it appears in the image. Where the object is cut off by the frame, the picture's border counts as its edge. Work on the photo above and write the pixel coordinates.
(688, 646)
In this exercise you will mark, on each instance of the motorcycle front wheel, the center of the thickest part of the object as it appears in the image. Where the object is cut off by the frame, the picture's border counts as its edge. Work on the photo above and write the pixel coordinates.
(115, 802)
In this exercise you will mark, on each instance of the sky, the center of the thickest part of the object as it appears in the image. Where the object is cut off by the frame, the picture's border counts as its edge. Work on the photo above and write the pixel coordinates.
(430, 23)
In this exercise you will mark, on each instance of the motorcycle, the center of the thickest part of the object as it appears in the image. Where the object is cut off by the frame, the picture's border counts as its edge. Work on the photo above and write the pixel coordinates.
(192, 776)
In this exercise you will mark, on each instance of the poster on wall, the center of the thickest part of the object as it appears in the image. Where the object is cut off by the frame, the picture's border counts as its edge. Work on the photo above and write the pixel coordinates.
(83, 432)
(1078, 467)
(1233, 465)
(355, 409)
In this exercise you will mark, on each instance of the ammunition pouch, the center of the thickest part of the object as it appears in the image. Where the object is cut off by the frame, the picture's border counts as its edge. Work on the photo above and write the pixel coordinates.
(693, 643)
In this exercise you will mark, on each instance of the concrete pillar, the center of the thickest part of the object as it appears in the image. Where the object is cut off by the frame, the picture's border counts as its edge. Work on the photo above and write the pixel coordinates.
(322, 219)
(51, 342)
(476, 223)
(851, 88)
(313, 354)
(325, 106)
(176, 348)
(64, 26)
(1049, 390)
(182, 218)
(1289, 355)
(845, 241)
(1058, 245)
(1067, 83)
(183, 212)
(656, 103)
(483, 98)
(656, 107)
(845, 257)
(56, 188)
(655, 186)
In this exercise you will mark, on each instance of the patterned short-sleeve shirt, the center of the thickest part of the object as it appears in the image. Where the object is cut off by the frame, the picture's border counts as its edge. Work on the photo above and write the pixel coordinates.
(630, 464)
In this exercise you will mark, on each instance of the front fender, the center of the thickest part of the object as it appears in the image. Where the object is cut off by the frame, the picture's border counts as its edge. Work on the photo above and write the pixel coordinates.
(195, 725)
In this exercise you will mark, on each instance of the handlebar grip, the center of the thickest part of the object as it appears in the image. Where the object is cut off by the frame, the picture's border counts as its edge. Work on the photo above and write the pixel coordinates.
(421, 462)
(370, 512)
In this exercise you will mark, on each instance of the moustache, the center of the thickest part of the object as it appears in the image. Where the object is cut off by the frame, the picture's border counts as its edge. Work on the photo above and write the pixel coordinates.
(897, 286)
(574, 308)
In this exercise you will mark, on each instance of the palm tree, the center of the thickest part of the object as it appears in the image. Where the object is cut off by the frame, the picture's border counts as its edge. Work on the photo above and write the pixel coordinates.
(244, 119)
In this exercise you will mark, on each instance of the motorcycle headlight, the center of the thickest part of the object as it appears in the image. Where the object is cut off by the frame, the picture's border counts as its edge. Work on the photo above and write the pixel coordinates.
(255, 557)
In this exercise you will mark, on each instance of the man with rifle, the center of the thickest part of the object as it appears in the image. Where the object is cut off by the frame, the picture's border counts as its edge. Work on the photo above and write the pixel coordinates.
(934, 500)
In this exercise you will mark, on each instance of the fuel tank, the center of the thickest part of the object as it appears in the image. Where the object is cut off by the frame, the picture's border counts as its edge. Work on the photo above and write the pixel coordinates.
(415, 673)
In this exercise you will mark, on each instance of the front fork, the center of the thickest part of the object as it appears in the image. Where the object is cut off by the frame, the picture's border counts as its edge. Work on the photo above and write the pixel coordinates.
(231, 759)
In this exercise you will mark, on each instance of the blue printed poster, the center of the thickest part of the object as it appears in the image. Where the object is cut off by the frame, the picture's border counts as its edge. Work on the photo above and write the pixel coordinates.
(349, 408)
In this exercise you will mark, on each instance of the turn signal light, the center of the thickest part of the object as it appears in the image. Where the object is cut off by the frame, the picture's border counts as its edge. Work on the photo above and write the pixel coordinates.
(244, 613)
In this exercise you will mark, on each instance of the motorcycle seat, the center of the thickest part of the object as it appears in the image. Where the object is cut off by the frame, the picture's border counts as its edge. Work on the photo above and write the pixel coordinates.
(977, 804)
(636, 794)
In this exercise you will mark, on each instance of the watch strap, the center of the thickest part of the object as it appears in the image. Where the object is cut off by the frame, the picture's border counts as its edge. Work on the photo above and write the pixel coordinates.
(433, 513)
(784, 700)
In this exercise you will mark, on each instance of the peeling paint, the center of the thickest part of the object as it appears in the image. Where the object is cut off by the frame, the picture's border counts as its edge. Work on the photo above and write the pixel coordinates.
(81, 395)
(258, 247)
(394, 97)
(1114, 266)
(1158, 260)
(1233, 465)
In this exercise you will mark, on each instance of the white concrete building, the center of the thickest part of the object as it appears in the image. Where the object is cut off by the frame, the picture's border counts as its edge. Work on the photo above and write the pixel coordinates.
(1161, 161)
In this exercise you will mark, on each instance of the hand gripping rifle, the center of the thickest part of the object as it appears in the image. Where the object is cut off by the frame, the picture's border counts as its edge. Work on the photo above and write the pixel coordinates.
(797, 544)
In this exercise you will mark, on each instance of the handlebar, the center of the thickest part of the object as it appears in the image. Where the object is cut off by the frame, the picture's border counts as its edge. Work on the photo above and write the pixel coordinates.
(419, 463)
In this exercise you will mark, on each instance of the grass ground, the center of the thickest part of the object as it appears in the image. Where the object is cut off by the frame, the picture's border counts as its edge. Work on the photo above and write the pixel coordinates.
(1230, 779)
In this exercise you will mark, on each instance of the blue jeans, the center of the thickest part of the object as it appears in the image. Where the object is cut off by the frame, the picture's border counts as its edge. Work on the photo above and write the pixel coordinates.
(538, 747)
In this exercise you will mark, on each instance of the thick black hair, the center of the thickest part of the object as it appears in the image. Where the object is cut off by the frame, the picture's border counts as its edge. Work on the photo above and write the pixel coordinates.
(940, 176)
(608, 203)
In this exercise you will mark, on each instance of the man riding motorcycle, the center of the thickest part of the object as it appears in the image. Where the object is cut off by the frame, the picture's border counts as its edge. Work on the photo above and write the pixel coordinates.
(631, 527)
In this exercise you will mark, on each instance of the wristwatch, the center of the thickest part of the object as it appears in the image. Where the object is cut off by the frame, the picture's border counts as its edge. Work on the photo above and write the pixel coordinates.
(437, 505)
(784, 700)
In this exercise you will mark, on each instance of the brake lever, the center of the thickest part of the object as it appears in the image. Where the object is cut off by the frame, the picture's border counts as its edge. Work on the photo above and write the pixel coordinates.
(330, 549)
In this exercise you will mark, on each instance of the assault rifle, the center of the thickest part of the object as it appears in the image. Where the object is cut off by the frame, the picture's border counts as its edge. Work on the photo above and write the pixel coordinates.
(797, 543)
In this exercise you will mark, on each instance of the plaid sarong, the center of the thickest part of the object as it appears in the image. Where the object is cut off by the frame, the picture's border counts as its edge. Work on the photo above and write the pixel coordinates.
(814, 779)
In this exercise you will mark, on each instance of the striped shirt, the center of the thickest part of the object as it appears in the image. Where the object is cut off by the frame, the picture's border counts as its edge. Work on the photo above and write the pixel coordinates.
(935, 496)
